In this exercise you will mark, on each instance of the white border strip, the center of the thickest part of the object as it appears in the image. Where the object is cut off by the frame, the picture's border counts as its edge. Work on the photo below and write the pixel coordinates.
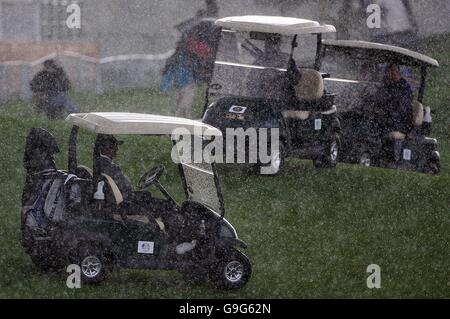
(126, 57)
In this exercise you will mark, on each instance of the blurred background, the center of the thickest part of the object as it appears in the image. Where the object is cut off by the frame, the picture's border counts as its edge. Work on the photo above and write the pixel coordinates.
(124, 44)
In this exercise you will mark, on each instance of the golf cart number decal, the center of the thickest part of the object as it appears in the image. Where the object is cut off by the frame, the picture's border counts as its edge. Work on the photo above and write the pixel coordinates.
(146, 247)
(318, 124)
(407, 154)
(238, 109)
(236, 113)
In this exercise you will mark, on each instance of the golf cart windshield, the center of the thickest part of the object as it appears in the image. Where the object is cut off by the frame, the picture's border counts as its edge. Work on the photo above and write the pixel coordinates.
(200, 180)
(250, 64)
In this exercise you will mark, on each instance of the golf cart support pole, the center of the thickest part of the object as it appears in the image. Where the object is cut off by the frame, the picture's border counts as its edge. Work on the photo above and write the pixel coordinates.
(72, 160)
(318, 62)
(423, 78)
(293, 46)
(208, 83)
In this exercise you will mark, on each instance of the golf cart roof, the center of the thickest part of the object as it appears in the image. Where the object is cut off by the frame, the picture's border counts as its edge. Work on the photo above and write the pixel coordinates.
(381, 53)
(274, 24)
(139, 124)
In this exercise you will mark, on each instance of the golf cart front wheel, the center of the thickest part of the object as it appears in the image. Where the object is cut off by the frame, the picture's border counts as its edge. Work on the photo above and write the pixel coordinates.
(330, 158)
(275, 166)
(365, 160)
(93, 264)
(433, 167)
(232, 271)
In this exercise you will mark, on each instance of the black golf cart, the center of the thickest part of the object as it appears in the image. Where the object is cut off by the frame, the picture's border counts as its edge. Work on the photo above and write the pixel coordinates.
(261, 82)
(359, 68)
(81, 217)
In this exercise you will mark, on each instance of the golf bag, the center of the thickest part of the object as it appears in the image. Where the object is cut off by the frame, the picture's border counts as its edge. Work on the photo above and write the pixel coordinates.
(46, 189)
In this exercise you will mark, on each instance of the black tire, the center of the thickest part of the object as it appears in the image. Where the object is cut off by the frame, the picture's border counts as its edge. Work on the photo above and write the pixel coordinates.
(330, 159)
(365, 159)
(93, 263)
(433, 167)
(275, 166)
(232, 271)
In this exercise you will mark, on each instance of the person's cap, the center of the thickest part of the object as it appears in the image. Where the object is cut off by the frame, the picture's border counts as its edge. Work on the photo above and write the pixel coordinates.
(105, 140)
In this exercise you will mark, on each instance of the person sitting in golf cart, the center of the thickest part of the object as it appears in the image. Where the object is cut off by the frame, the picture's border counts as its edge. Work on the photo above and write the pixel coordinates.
(108, 147)
(134, 202)
(393, 104)
(393, 110)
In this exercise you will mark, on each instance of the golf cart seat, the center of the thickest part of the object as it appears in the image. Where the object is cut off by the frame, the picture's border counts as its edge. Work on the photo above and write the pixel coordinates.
(308, 90)
(418, 114)
(113, 195)
(84, 172)
(310, 87)
(397, 136)
(417, 119)
(121, 208)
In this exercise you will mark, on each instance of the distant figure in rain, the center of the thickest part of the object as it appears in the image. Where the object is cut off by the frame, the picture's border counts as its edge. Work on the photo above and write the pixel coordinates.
(50, 88)
(192, 63)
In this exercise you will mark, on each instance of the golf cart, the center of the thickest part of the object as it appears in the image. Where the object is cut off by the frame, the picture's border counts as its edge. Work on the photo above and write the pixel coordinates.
(359, 67)
(92, 224)
(257, 84)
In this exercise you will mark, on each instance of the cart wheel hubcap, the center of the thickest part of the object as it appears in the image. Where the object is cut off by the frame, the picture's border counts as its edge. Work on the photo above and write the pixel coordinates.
(334, 151)
(234, 271)
(91, 266)
(365, 160)
(276, 161)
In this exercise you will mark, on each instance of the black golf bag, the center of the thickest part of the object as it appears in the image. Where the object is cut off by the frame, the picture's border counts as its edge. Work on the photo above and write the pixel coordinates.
(45, 194)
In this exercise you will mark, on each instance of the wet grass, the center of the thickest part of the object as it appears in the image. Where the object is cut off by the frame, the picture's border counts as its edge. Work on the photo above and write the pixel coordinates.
(311, 233)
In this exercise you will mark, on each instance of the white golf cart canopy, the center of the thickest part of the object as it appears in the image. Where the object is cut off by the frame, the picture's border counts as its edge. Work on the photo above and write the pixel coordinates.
(381, 52)
(139, 124)
(274, 24)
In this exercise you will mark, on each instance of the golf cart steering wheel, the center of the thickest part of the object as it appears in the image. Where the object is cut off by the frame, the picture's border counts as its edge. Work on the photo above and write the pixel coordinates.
(150, 177)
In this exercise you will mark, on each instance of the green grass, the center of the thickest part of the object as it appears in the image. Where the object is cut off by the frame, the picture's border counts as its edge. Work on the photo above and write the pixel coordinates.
(311, 233)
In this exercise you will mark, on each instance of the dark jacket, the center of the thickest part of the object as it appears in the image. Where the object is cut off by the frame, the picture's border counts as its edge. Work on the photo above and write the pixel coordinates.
(50, 82)
(394, 101)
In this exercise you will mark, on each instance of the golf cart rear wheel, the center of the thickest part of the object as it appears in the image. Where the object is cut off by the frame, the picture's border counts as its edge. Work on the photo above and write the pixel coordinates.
(93, 263)
(232, 271)
(275, 166)
(365, 160)
(433, 167)
(330, 159)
